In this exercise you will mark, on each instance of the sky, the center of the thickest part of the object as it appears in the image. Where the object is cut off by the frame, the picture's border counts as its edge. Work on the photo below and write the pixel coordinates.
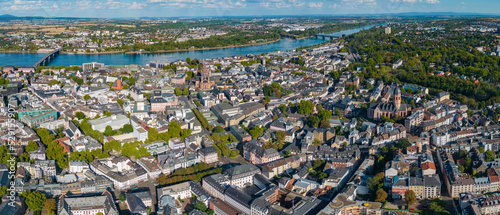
(197, 8)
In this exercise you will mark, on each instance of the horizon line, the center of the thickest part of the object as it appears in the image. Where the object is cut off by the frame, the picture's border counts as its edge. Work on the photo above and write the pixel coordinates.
(449, 13)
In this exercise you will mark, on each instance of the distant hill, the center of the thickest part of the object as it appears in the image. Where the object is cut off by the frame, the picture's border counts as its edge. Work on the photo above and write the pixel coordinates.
(7, 16)
(442, 14)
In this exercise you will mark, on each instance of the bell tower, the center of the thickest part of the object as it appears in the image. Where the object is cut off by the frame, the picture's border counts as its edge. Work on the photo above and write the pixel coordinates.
(397, 98)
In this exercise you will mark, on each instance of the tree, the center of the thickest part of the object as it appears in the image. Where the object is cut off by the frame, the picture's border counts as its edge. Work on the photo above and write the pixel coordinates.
(152, 134)
(3, 191)
(313, 121)
(203, 121)
(325, 114)
(218, 129)
(177, 91)
(86, 97)
(45, 136)
(79, 115)
(338, 112)
(324, 124)
(403, 144)
(234, 153)
(305, 107)
(381, 195)
(275, 117)
(410, 197)
(322, 175)
(127, 128)
(266, 100)
(319, 107)
(120, 102)
(374, 184)
(56, 152)
(108, 131)
(122, 197)
(185, 91)
(32, 146)
(412, 103)
(256, 131)
(461, 168)
(462, 154)
(50, 206)
(200, 206)
(480, 149)
(490, 155)
(280, 136)
(34, 200)
(437, 207)
(113, 145)
(283, 108)
(59, 132)
(287, 153)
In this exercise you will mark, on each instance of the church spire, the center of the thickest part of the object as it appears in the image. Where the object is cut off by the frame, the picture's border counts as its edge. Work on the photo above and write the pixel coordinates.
(397, 98)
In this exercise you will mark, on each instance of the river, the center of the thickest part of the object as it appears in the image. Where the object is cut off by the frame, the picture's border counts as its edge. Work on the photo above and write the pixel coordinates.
(25, 59)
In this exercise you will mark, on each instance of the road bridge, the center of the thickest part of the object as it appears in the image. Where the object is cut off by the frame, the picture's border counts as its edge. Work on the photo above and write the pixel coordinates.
(326, 36)
(47, 58)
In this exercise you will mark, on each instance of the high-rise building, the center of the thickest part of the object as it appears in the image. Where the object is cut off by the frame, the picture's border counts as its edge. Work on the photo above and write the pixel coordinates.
(93, 65)
(388, 30)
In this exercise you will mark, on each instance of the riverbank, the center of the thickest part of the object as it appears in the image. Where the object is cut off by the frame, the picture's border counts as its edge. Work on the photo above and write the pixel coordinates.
(148, 52)
(93, 53)
(204, 49)
(19, 52)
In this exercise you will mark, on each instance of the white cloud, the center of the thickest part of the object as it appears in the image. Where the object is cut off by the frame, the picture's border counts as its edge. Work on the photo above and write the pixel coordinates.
(276, 4)
(113, 5)
(432, 1)
(20, 5)
(176, 4)
(360, 3)
(136, 5)
(315, 4)
(265, 4)
(224, 4)
(335, 5)
(174, 1)
(415, 1)
(83, 4)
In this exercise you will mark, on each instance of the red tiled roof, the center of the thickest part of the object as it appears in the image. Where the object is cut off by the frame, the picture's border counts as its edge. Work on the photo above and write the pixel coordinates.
(493, 175)
(63, 139)
(66, 148)
(289, 185)
(428, 165)
(412, 149)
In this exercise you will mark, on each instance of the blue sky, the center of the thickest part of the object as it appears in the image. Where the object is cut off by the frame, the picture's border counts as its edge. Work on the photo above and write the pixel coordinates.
(175, 8)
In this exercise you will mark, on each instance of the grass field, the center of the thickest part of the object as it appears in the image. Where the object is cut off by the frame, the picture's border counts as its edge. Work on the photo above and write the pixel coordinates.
(46, 29)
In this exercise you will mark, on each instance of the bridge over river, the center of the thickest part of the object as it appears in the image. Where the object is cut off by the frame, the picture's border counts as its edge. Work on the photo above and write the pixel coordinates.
(326, 36)
(47, 58)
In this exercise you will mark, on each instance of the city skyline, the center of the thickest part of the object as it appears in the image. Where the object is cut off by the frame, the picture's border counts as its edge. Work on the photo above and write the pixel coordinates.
(218, 8)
